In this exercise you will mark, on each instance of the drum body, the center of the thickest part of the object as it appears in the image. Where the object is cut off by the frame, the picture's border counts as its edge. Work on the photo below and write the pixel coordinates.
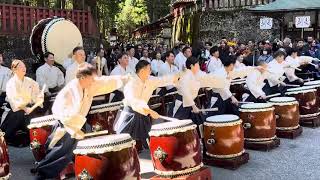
(175, 148)
(50, 33)
(102, 117)
(316, 85)
(4, 156)
(107, 157)
(307, 98)
(237, 88)
(259, 121)
(224, 136)
(287, 112)
(39, 131)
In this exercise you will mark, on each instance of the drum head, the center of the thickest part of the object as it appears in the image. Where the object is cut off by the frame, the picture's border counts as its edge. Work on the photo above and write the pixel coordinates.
(256, 106)
(42, 121)
(223, 118)
(171, 125)
(35, 37)
(300, 88)
(312, 83)
(282, 99)
(60, 37)
(103, 144)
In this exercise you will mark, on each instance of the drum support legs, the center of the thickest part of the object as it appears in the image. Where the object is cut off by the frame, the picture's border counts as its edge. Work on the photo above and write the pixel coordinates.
(203, 174)
(230, 163)
(289, 134)
(262, 145)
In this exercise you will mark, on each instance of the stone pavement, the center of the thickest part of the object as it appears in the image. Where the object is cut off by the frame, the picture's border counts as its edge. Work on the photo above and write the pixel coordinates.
(297, 159)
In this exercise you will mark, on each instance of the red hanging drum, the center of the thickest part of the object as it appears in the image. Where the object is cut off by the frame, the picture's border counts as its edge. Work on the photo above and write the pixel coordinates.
(107, 157)
(175, 148)
(307, 98)
(102, 117)
(4, 158)
(40, 129)
(52, 33)
(287, 112)
(259, 122)
(224, 137)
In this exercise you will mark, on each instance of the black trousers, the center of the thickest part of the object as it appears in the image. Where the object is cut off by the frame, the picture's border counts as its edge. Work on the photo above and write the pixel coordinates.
(58, 157)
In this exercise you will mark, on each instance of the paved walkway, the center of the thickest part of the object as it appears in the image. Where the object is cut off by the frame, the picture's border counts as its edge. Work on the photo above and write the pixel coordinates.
(297, 159)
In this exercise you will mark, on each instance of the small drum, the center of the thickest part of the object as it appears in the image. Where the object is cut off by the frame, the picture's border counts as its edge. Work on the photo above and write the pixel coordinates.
(224, 136)
(237, 87)
(4, 156)
(316, 85)
(307, 98)
(102, 117)
(40, 129)
(49, 34)
(287, 112)
(175, 148)
(156, 103)
(107, 157)
(259, 122)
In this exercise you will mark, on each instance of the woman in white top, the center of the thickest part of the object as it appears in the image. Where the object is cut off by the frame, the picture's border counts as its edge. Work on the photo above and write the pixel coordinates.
(22, 93)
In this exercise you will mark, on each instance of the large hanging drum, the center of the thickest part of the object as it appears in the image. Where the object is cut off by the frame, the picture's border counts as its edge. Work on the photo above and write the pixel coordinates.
(259, 122)
(56, 35)
(107, 157)
(175, 148)
(224, 137)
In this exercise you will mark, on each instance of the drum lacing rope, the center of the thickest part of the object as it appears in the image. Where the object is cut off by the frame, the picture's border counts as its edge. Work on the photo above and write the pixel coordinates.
(105, 145)
(172, 128)
(43, 121)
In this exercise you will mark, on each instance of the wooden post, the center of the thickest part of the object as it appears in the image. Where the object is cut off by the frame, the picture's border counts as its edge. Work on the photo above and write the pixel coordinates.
(316, 32)
(18, 19)
(11, 18)
(4, 18)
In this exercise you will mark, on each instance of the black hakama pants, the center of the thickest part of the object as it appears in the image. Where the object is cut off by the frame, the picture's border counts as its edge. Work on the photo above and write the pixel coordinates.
(224, 106)
(118, 96)
(251, 98)
(57, 158)
(135, 124)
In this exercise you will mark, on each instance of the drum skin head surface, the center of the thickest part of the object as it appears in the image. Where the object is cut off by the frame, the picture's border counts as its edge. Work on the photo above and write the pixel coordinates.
(223, 118)
(60, 37)
(282, 99)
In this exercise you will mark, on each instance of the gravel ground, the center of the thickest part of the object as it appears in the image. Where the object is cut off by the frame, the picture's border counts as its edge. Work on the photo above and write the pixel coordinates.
(295, 159)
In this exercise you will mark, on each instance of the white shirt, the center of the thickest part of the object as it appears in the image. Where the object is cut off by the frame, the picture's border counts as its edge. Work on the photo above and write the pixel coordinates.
(239, 66)
(73, 103)
(189, 84)
(276, 72)
(72, 72)
(255, 83)
(22, 92)
(67, 62)
(295, 63)
(155, 66)
(137, 93)
(103, 65)
(49, 75)
(214, 64)
(5, 75)
(167, 69)
(225, 92)
(146, 59)
(180, 61)
(132, 63)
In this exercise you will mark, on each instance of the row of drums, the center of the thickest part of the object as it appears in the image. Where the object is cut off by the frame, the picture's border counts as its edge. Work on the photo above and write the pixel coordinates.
(175, 146)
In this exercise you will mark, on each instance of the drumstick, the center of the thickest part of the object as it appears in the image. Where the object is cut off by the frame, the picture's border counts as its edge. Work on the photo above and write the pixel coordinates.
(39, 102)
(292, 85)
(96, 133)
(273, 95)
(168, 118)
(312, 64)
(209, 109)
(243, 102)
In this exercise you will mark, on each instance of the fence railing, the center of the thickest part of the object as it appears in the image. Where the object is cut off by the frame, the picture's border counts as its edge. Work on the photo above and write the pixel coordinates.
(227, 4)
(19, 20)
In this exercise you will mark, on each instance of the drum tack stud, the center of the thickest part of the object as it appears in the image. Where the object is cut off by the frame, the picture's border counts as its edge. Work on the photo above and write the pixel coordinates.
(160, 154)
(211, 141)
(34, 133)
(84, 175)
(246, 125)
(212, 132)
(250, 116)
(35, 144)
(97, 127)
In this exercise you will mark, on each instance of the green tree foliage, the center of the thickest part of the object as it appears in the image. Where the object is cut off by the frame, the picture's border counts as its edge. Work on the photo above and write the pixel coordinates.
(133, 14)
